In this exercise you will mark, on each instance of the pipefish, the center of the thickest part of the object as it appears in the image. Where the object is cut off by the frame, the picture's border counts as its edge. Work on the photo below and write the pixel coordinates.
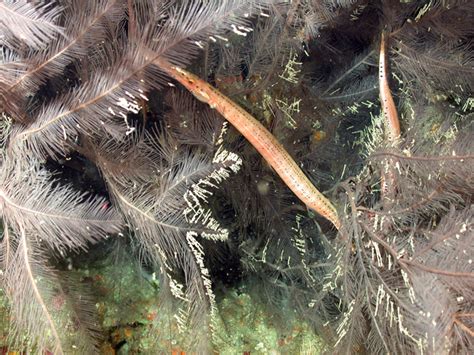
(262, 140)
(391, 121)
(389, 109)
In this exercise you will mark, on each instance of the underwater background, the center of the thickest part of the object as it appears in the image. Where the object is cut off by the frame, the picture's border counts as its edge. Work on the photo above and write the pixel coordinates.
(134, 219)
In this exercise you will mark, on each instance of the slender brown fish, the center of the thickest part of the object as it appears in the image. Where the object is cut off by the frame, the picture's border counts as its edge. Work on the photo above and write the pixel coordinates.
(391, 123)
(265, 143)
(386, 100)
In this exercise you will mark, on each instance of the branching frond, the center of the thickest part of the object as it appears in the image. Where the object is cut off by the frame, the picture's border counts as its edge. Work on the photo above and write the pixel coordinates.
(434, 51)
(166, 211)
(358, 69)
(59, 216)
(405, 258)
(113, 88)
(29, 286)
(45, 314)
(5, 128)
(35, 25)
(88, 24)
(188, 128)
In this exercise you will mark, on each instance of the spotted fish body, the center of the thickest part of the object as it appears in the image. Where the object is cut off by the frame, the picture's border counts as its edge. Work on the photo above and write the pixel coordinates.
(265, 143)
(391, 122)
(386, 100)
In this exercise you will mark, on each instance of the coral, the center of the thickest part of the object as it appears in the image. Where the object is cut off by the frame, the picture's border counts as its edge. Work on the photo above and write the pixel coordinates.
(119, 189)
